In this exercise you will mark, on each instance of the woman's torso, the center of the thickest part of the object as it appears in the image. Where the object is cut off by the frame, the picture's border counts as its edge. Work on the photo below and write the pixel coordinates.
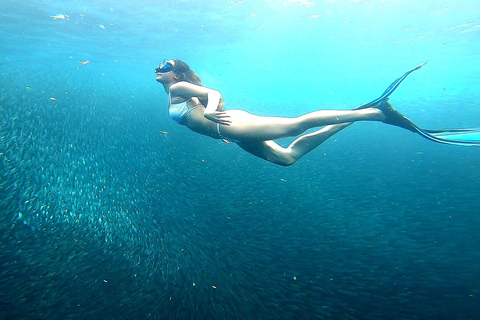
(190, 113)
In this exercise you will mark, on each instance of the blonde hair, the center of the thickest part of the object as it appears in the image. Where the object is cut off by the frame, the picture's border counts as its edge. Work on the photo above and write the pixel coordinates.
(182, 69)
(185, 73)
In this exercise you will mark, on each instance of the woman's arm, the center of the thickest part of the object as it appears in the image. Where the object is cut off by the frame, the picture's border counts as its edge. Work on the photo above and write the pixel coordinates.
(188, 90)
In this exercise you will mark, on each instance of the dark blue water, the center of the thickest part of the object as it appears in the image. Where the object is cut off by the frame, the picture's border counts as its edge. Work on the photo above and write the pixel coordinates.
(109, 210)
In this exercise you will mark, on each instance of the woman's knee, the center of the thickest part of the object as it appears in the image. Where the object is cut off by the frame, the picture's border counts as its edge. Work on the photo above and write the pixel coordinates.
(284, 160)
(287, 162)
(270, 151)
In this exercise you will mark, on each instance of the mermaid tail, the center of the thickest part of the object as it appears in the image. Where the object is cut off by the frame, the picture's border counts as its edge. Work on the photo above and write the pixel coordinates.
(459, 137)
(390, 89)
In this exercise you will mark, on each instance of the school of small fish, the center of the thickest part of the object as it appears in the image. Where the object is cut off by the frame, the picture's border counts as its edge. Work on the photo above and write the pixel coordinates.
(107, 212)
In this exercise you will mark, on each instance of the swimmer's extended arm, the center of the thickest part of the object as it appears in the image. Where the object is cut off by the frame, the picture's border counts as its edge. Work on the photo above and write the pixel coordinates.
(188, 90)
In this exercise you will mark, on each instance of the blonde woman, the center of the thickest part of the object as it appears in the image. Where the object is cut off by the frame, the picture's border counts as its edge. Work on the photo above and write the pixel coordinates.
(201, 110)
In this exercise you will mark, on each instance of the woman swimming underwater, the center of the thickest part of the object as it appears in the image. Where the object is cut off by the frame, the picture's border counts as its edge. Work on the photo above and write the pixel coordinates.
(201, 110)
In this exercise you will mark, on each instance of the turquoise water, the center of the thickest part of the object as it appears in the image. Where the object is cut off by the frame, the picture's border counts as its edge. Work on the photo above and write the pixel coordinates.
(109, 210)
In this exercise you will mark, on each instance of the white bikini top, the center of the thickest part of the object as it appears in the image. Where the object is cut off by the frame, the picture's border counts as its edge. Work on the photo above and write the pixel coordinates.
(178, 111)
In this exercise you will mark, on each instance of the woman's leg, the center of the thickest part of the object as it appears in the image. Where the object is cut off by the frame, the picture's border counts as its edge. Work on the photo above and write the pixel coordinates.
(271, 151)
(246, 126)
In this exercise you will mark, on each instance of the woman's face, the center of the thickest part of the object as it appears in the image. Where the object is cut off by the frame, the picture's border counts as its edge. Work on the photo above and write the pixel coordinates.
(165, 72)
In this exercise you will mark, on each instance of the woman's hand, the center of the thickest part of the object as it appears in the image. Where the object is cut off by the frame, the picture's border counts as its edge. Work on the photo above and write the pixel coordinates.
(187, 90)
(218, 117)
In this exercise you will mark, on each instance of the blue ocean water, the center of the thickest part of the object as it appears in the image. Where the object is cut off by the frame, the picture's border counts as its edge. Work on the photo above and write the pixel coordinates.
(109, 210)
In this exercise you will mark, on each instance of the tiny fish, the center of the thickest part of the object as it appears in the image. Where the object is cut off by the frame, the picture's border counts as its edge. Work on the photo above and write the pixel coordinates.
(84, 63)
(59, 17)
